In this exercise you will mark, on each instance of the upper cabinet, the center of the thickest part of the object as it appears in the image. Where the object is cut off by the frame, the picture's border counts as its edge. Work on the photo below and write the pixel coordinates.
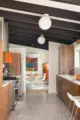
(7, 57)
(15, 60)
(66, 59)
(16, 63)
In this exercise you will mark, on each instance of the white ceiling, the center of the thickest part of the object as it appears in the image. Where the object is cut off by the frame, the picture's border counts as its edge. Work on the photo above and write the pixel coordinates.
(54, 4)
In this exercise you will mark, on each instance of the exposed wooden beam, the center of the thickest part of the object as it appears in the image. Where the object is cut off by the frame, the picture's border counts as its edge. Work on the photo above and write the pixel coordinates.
(55, 23)
(51, 32)
(15, 41)
(19, 17)
(34, 36)
(31, 44)
(75, 2)
(28, 39)
(40, 9)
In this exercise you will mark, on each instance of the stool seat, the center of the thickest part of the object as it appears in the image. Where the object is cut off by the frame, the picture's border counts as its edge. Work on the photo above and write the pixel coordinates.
(77, 98)
(77, 103)
(73, 99)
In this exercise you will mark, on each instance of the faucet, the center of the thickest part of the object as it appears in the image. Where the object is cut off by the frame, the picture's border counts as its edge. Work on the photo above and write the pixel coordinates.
(67, 71)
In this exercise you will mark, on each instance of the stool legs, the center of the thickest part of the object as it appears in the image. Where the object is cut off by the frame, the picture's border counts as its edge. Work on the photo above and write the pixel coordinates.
(72, 112)
(69, 106)
(75, 113)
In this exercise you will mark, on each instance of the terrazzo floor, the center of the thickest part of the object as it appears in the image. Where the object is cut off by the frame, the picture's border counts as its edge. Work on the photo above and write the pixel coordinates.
(39, 106)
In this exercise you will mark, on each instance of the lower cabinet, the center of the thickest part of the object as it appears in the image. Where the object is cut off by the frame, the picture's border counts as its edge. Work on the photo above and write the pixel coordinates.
(10, 97)
(1, 104)
(7, 100)
(5, 89)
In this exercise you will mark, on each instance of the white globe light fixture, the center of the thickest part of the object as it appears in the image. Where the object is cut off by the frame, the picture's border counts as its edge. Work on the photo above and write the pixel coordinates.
(33, 55)
(45, 22)
(41, 39)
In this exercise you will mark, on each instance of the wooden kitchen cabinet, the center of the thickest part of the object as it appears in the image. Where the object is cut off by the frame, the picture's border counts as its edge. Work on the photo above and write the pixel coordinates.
(1, 104)
(7, 100)
(10, 91)
(16, 63)
(1, 63)
(7, 57)
(66, 59)
(1, 89)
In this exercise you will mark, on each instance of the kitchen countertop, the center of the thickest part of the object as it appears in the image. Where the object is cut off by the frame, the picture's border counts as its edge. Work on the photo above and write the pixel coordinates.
(6, 82)
(71, 78)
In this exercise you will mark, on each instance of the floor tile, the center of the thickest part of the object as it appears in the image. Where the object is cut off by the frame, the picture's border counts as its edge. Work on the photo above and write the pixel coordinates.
(39, 106)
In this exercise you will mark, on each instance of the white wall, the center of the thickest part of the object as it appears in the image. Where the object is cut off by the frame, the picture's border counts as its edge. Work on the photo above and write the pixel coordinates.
(1, 21)
(4, 34)
(53, 65)
(76, 58)
(0, 30)
(22, 51)
(44, 57)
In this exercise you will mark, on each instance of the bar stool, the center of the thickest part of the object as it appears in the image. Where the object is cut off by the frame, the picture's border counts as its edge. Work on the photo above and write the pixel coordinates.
(72, 99)
(77, 103)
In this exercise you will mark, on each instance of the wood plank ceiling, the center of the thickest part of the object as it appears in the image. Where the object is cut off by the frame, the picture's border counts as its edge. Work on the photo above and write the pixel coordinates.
(24, 29)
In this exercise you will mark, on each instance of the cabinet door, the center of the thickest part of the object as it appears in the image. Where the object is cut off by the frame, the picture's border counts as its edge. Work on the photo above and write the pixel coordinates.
(6, 102)
(2, 107)
(10, 96)
(66, 56)
(1, 63)
(7, 57)
(16, 63)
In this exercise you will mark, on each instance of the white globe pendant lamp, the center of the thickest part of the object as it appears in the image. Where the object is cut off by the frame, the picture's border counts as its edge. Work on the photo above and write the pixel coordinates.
(41, 39)
(33, 55)
(45, 22)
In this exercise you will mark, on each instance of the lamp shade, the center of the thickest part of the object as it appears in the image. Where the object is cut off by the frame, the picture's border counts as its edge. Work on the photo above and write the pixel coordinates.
(45, 22)
(33, 55)
(41, 39)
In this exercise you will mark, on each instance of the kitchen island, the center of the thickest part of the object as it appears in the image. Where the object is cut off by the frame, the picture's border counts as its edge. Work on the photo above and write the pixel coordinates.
(68, 83)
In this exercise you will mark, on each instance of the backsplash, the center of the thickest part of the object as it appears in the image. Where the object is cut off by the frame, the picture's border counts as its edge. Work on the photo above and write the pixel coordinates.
(76, 71)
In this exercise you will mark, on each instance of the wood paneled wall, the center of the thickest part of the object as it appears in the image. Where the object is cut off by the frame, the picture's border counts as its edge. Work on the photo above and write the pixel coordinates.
(66, 59)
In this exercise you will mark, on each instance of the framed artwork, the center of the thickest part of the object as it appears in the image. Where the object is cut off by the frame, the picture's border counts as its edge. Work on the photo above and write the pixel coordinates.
(31, 64)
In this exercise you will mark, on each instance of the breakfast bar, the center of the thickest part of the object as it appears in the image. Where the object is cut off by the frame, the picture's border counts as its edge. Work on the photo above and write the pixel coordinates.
(68, 83)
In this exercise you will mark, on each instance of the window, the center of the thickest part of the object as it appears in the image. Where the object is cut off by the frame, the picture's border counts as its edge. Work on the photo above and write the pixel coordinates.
(77, 58)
